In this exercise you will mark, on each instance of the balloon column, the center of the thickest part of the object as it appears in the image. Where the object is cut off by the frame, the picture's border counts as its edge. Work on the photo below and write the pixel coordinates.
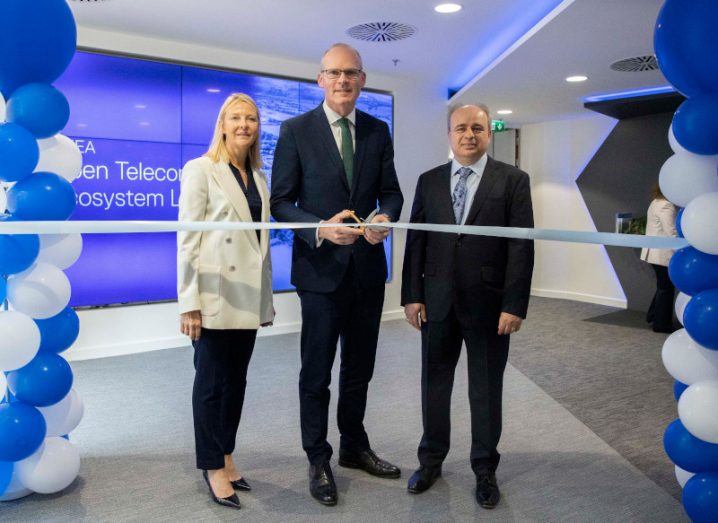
(687, 52)
(38, 405)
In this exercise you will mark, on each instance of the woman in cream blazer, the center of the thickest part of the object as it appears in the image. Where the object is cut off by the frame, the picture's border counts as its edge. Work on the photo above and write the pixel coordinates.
(224, 285)
(661, 221)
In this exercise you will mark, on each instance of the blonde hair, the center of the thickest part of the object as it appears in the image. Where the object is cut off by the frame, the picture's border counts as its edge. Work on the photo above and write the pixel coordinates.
(218, 149)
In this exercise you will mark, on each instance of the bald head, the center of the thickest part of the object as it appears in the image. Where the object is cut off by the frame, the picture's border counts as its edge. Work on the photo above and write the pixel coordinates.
(469, 132)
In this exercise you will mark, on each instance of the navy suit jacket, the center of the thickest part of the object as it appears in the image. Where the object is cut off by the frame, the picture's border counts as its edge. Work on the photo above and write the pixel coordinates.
(480, 276)
(309, 185)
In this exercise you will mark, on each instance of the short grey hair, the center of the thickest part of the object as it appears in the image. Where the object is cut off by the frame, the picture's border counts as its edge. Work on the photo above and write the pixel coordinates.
(455, 107)
(343, 46)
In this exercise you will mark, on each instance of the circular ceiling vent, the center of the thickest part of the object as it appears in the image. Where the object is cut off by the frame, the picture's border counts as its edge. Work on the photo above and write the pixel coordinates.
(636, 64)
(381, 31)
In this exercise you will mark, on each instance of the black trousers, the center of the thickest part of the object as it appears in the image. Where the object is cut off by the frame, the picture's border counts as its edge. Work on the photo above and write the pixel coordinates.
(660, 313)
(487, 353)
(351, 315)
(221, 358)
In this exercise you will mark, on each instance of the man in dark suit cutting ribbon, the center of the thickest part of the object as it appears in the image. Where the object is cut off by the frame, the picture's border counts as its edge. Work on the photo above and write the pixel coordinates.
(327, 161)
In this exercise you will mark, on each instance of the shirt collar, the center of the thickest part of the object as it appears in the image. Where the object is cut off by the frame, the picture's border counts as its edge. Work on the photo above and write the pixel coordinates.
(477, 167)
(333, 116)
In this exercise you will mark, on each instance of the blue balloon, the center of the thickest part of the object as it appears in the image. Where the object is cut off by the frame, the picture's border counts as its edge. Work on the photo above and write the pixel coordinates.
(678, 389)
(686, 46)
(5, 475)
(700, 498)
(39, 108)
(22, 431)
(42, 196)
(693, 271)
(701, 318)
(687, 451)
(37, 42)
(42, 382)
(17, 251)
(679, 215)
(695, 124)
(19, 152)
(59, 332)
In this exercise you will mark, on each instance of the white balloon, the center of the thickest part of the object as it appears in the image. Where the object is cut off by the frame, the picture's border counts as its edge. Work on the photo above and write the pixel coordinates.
(700, 223)
(60, 250)
(681, 301)
(687, 361)
(697, 409)
(41, 291)
(59, 155)
(15, 489)
(3, 384)
(3, 199)
(64, 416)
(2, 108)
(683, 476)
(51, 468)
(686, 175)
(19, 342)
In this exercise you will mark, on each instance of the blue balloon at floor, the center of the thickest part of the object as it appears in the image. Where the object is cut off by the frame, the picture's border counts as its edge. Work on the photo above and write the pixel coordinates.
(39, 108)
(42, 196)
(5, 475)
(700, 498)
(687, 451)
(686, 46)
(693, 271)
(17, 251)
(679, 215)
(42, 382)
(678, 389)
(37, 42)
(695, 123)
(59, 332)
(22, 431)
(701, 318)
(19, 152)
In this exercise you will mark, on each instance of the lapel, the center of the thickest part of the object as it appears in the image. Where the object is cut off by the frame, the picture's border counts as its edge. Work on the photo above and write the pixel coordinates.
(443, 196)
(488, 179)
(227, 182)
(330, 145)
(361, 135)
(261, 183)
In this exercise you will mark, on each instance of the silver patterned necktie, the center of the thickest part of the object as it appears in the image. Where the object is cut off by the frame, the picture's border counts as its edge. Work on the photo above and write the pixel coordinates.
(458, 197)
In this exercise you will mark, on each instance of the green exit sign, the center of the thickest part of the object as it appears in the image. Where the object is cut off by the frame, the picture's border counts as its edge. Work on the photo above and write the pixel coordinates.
(498, 125)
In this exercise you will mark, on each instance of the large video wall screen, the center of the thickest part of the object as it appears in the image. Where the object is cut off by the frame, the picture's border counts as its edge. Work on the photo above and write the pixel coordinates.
(137, 122)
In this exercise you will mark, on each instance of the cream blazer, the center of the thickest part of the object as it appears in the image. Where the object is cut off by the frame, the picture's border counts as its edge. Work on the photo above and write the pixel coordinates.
(660, 221)
(227, 275)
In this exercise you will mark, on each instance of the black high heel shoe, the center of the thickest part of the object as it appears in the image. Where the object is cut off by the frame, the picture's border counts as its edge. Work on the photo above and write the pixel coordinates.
(232, 501)
(241, 484)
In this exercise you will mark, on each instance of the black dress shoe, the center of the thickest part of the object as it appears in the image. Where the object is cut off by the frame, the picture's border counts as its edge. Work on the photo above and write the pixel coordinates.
(368, 462)
(321, 484)
(241, 484)
(487, 491)
(232, 501)
(423, 479)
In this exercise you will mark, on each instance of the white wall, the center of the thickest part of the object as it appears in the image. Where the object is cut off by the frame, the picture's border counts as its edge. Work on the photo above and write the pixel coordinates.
(554, 154)
(419, 141)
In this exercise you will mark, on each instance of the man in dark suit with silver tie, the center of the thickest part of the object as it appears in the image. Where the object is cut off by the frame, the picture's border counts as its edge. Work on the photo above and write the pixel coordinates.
(327, 161)
(466, 288)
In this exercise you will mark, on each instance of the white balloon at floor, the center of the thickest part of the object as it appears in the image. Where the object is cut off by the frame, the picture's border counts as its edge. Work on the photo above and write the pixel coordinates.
(41, 291)
(51, 468)
(60, 250)
(64, 416)
(59, 155)
(15, 489)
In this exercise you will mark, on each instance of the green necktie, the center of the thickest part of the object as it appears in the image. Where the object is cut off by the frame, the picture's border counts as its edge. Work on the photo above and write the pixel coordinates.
(347, 150)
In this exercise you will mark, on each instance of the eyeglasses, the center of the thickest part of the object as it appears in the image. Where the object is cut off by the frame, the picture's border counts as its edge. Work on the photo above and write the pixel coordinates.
(334, 74)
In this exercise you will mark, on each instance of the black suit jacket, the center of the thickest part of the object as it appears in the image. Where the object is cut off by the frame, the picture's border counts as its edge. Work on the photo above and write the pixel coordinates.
(309, 184)
(480, 276)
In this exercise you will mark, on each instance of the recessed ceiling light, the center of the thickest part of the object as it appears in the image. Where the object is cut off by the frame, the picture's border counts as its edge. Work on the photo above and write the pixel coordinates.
(81, 125)
(145, 124)
(213, 90)
(577, 78)
(448, 8)
(504, 111)
(140, 106)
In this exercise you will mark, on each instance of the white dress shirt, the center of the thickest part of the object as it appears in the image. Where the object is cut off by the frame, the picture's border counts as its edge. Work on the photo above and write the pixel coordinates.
(472, 182)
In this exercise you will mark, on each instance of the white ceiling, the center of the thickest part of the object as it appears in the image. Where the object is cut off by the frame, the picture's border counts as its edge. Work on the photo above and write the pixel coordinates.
(447, 49)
